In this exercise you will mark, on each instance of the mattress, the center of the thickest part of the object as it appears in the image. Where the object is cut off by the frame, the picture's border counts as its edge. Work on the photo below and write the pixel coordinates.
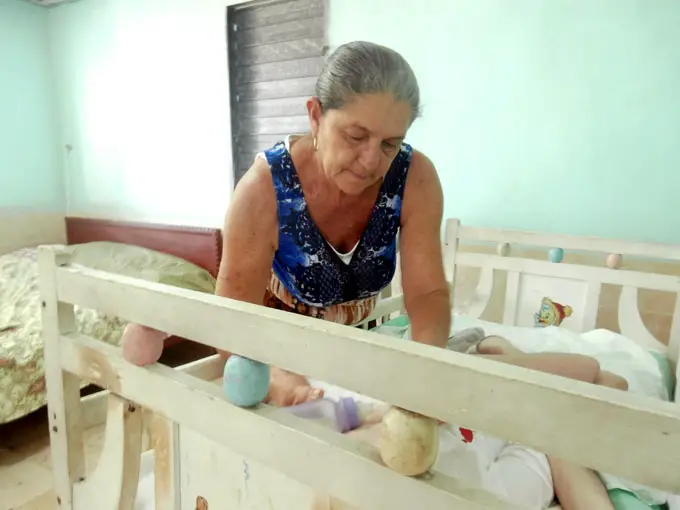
(22, 370)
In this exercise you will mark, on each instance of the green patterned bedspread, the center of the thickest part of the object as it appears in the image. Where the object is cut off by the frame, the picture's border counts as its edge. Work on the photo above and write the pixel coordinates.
(22, 373)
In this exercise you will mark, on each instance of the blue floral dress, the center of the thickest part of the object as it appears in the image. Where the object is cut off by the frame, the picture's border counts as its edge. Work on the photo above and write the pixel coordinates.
(308, 275)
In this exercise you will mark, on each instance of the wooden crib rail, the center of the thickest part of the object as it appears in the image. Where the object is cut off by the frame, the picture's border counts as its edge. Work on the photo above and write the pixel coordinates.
(565, 241)
(572, 420)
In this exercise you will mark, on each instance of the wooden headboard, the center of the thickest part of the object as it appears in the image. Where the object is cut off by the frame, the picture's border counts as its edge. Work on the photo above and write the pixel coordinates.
(199, 245)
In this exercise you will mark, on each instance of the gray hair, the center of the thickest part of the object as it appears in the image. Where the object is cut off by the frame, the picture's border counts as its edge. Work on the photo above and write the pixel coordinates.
(366, 68)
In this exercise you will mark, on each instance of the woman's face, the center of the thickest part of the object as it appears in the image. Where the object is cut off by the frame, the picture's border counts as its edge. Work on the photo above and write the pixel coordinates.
(357, 143)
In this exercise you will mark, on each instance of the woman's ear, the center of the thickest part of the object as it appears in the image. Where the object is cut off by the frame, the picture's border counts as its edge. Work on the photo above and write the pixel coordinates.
(315, 113)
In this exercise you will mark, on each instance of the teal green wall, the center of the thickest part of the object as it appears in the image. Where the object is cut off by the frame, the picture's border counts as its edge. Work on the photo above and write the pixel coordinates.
(551, 115)
(30, 174)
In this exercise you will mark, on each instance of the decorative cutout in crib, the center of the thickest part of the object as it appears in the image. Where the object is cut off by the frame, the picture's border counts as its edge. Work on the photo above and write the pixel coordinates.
(551, 313)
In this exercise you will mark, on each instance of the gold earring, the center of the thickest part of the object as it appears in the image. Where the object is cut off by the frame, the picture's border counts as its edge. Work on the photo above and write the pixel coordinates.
(316, 144)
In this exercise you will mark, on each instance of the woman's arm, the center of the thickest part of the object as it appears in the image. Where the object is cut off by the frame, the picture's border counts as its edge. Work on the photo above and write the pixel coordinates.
(250, 238)
(426, 293)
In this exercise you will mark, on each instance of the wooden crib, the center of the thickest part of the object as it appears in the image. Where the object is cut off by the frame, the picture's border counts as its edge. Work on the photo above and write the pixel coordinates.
(211, 454)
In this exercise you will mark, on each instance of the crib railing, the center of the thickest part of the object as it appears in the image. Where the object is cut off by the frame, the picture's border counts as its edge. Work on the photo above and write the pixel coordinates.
(623, 434)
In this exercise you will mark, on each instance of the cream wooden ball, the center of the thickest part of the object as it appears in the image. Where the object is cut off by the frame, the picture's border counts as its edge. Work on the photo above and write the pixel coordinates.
(614, 260)
(409, 442)
(503, 249)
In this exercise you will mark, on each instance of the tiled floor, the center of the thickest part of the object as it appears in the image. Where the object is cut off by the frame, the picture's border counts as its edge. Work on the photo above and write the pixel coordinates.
(25, 466)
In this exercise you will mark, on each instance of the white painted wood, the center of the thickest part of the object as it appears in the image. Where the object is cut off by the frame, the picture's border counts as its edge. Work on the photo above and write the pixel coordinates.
(95, 407)
(450, 250)
(631, 324)
(333, 463)
(523, 406)
(508, 401)
(534, 288)
(113, 485)
(164, 438)
(63, 389)
(512, 296)
(384, 308)
(591, 306)
(225, 479)
(674, 337)
(478, 305)
(570, 242)
(651, 281)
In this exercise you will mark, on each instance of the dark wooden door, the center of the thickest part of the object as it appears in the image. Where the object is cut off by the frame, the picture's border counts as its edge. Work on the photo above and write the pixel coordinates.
(276, 51)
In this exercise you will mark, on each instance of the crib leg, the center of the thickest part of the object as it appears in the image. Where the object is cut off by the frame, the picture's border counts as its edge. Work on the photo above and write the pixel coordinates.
(164, 439)
(63, 388)
(113, 485)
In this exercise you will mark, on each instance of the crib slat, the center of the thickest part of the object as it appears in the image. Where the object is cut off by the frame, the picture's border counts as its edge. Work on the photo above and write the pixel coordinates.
(113, 484)
(164, 438)
(512, 296)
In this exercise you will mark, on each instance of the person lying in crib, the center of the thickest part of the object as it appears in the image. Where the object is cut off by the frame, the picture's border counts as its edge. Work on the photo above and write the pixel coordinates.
(514, 473)
(313, 225)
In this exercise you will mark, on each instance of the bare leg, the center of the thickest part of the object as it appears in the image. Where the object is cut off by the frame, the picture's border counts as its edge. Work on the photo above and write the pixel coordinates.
(582, 368)
(576, 487)
(572, 366)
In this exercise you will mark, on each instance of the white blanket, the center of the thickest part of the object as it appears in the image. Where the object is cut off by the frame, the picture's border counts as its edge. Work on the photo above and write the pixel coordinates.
(615, 353)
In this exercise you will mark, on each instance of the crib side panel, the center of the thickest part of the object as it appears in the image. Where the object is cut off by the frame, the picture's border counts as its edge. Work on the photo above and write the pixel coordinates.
(213, 476)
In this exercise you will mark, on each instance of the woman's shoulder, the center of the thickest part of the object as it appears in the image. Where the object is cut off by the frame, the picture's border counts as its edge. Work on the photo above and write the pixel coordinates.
(422, 183)
(421, 167)
(254, 194)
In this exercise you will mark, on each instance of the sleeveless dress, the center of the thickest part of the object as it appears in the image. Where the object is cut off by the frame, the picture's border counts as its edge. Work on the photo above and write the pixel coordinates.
(308, 275)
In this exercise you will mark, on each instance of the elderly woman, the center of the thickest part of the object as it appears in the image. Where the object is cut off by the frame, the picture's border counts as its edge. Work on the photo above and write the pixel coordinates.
(313, 228)
(313, 224)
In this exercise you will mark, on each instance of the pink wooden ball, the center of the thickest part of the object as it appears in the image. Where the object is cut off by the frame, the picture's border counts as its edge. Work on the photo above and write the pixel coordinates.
(142, 345)
(614, 261)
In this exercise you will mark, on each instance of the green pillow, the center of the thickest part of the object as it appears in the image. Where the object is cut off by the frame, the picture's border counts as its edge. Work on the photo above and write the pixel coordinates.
(666, 373)
(624, 500)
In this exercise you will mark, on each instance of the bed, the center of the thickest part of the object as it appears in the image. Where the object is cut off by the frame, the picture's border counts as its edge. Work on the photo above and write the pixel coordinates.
(208, 453)
(180, 256)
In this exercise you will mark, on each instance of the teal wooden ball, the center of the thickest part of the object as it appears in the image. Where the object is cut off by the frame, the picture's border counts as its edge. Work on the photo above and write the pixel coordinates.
(556, 255)
(245, 381)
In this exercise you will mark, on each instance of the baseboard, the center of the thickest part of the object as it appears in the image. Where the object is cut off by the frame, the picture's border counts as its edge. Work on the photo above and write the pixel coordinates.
(20, 229)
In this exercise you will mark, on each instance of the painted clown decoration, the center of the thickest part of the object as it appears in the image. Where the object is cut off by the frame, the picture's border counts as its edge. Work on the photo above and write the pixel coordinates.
(551, 313)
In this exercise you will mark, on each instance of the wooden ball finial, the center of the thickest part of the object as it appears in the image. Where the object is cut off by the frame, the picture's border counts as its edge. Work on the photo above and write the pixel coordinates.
(614, 260)
(245, 381)
(556, 255)
(409, 442)
(503, 249)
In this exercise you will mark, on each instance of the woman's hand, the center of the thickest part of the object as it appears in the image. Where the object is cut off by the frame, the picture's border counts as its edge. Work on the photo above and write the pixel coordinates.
(289, 389)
